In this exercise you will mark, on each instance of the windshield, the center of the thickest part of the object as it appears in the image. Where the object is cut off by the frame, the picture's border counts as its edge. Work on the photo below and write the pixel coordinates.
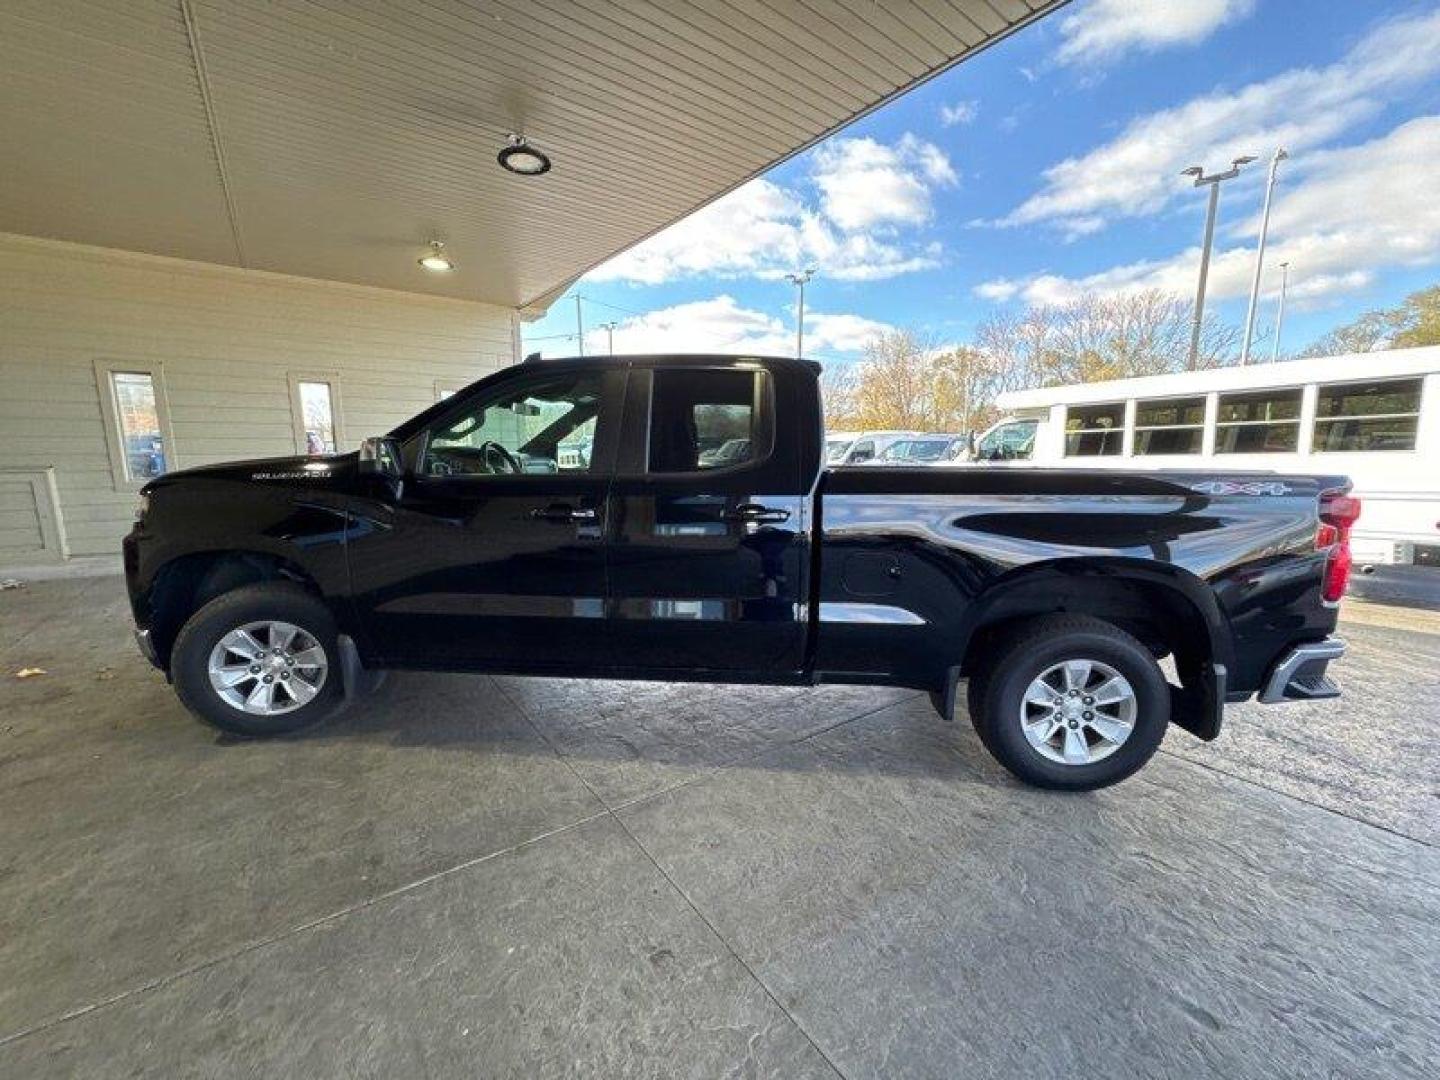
(1014, 440)
(835, 448)
(927, 449)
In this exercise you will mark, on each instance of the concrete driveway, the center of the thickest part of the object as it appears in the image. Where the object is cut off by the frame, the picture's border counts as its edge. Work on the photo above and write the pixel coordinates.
(469, 876)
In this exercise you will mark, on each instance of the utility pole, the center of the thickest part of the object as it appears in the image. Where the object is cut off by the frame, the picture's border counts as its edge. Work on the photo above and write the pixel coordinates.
(1280, 155)
(609, 329)
(1280, 314)
(1214, 182)
(799, 280)
(579, 326)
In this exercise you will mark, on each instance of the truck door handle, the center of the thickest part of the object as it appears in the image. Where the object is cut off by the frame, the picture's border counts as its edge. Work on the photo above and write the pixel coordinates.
(754, 512)
(560, 512)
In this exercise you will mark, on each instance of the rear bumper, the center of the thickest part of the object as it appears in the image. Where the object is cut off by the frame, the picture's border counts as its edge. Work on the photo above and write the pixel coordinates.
(1299, 675)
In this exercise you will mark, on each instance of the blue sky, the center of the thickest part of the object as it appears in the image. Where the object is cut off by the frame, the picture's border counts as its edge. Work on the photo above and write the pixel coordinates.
(1048, 166)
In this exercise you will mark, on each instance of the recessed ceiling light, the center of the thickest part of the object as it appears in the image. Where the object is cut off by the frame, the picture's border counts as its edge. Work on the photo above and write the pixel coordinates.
(437, 261)
(522, 158)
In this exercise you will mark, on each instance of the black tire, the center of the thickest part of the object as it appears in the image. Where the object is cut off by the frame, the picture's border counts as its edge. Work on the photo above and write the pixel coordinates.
(280, 601)
(995, 699)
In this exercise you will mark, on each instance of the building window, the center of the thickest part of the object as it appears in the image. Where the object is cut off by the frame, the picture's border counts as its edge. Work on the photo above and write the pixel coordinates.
(319, 413)
(315, 408)
(1367, 416)
(137, 423)
(702, 420)
(1094, 430)
(1170, 426)
(1259, 422)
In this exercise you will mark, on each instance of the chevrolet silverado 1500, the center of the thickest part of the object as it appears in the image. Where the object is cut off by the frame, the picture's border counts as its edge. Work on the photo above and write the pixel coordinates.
(667, 517)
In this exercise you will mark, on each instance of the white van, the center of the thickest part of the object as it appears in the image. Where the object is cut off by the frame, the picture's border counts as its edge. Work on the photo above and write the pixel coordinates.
(1372, 416)
(859, 448)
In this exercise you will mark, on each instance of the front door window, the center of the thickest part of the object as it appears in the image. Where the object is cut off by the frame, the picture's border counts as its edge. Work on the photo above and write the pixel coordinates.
(544, 426)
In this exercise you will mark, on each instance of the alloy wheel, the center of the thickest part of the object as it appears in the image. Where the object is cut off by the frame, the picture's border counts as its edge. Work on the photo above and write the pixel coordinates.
(1078, 712)
(268, 668)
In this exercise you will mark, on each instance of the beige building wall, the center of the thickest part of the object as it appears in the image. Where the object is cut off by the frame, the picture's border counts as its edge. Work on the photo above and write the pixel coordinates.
(225, 348)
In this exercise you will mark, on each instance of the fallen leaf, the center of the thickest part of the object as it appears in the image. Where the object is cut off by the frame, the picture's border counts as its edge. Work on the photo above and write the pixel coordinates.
(30, 672)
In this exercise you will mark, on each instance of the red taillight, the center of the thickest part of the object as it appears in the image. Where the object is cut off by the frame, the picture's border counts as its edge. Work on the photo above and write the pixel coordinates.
(1338, 513)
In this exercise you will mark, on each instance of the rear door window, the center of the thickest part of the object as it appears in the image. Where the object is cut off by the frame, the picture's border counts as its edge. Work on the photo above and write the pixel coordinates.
(706, 420)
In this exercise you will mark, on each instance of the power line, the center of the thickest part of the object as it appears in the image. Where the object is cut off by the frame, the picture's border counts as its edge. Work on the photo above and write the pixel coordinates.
(612, 307)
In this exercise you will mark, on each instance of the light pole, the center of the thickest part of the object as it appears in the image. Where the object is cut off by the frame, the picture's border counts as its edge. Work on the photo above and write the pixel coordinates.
(1214, 181)
(1280, 314)
(579, 326)
(1280, 155)
(799, 280)
(609, 328)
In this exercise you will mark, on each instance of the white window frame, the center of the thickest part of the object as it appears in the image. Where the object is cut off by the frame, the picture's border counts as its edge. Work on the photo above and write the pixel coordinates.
(297, 408)
(1134, 427)
(1297, 423)
(1066, 433)
(1315, 419)
(105, 371)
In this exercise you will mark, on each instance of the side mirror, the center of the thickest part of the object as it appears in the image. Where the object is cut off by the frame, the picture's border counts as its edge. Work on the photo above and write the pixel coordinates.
(380, 456)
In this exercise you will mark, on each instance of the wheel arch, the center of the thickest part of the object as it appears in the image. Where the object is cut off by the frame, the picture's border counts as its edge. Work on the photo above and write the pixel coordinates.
(1157, 602)
(185, 583)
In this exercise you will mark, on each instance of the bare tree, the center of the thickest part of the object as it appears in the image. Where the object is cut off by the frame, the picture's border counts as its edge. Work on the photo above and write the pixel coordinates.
(1097, 337)
(904, 381)
(840, 395)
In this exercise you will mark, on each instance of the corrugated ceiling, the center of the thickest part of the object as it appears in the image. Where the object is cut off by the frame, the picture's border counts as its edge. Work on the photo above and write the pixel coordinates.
(333, 138)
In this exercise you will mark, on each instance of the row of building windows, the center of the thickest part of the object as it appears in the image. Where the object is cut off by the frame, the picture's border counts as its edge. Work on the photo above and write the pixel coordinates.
(1349, 417)
(137, 415)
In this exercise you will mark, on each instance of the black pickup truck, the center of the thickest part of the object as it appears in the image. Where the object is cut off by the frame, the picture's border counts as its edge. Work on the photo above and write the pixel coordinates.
(669, 517)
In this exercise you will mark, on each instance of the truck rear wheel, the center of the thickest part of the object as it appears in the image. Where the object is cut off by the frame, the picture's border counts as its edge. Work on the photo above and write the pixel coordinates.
(1071, 702)
(259, 660)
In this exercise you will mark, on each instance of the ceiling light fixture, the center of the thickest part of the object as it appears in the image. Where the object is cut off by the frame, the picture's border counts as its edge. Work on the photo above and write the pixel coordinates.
(522, 158)
(437, 261)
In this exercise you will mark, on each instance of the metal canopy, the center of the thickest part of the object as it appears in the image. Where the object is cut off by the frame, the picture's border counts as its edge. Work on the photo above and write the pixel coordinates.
(334, 138)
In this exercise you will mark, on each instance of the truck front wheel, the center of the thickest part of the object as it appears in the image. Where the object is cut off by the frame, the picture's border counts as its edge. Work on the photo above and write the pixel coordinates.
(259, 660)
(1070, 702)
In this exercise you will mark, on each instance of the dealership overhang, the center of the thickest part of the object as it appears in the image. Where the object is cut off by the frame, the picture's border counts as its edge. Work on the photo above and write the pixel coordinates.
(336, 139)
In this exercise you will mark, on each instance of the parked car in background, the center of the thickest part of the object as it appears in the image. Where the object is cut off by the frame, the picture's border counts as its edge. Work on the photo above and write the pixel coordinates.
(266, 590)
(923, 450)
(729, 452)
(1012, 439)
(838, 444)
(862, 449)
(146, 454)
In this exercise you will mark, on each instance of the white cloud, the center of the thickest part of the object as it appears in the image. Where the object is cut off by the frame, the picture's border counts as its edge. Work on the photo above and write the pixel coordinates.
(961, 112)
(864, 183)
(720, 324)
(872, 196)
(1339, 217)
(999, 290)
(1101, 29)
(1137, 173)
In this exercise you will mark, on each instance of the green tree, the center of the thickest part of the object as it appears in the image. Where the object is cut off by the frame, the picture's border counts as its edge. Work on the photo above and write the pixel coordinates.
(1414, 321)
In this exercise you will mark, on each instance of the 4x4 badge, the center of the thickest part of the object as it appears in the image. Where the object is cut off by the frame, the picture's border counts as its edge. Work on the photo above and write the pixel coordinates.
(1230, 487)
